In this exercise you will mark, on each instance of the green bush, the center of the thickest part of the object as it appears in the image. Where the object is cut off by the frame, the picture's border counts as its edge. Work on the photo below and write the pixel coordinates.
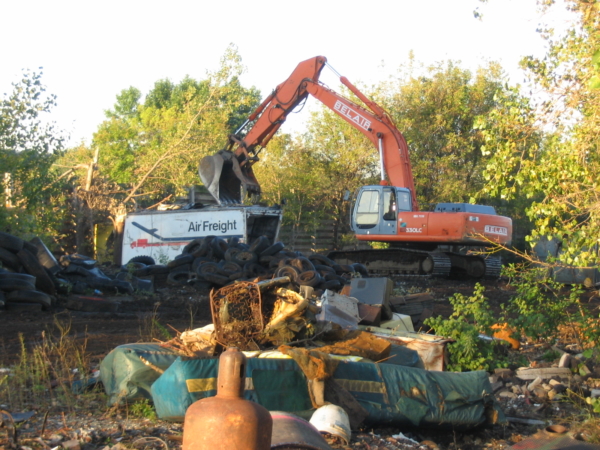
(471, 318)
(541, 305)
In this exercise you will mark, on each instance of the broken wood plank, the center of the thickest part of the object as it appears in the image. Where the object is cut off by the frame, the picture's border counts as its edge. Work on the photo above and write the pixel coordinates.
(544, 373)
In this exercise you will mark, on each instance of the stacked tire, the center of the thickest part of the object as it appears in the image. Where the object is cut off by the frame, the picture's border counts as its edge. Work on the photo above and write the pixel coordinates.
(30, 274)
(79, 275)
(215, 262)
(23, 278)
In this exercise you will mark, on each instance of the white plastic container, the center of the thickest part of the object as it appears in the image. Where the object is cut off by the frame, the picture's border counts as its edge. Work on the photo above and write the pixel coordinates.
(333, 420)
(399, 322)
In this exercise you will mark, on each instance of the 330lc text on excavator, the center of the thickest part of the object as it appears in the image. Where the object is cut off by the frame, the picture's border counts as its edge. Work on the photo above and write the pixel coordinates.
(421, 242)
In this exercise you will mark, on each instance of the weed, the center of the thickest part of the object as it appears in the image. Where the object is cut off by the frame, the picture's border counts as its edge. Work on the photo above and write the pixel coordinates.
(551, 355)
(590, 405)
(592, 354)
(45, 371)
(518, 360)
(585, 425)
(541, 306)
(151, 329)
(143, 409)
(470, 318)
(594, 404)
(162, 257)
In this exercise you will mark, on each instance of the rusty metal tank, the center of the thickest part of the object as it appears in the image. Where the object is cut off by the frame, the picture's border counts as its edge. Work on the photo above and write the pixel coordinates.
(227, 420)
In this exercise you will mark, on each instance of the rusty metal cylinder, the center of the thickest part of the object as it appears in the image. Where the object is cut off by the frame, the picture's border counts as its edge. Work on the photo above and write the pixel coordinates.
(227, 420)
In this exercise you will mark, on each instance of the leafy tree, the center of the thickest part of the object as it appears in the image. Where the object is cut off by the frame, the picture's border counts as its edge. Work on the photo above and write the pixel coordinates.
(313, 171)
(29, 145)
(151, 148)
(289, 172)
(559, 174)
(437, 108)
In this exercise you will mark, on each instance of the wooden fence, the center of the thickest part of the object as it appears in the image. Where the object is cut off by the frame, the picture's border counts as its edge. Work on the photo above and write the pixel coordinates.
(320, 236)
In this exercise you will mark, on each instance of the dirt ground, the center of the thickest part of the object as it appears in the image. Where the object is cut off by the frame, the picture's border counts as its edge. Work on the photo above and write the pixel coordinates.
(185, 308)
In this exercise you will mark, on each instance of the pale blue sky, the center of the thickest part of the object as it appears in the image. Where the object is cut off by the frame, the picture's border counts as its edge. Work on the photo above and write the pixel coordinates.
(91, 50)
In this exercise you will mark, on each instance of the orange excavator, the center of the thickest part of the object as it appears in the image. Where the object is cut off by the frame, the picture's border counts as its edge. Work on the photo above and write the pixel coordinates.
(421, 242)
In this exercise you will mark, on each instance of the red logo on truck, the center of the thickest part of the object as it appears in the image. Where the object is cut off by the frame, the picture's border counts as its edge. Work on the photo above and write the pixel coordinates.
(143, 243)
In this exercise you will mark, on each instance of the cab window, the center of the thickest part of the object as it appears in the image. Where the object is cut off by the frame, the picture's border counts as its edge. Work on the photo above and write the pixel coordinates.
(389, 205)
(404, 201)
(367, 209)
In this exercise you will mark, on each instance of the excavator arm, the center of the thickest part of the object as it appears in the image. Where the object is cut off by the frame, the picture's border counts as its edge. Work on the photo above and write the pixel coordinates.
(229, 172)
(378, 127)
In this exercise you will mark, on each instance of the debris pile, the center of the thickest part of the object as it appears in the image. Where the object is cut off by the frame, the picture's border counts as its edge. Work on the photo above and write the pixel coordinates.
(531, 395)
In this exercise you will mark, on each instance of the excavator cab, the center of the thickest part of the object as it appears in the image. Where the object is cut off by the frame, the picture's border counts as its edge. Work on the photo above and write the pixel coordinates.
(377, 207)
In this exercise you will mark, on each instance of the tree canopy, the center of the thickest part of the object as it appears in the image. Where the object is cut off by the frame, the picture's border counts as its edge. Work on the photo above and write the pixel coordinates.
(437, 108)
(152, 145)
(559, 173)
(29, 145)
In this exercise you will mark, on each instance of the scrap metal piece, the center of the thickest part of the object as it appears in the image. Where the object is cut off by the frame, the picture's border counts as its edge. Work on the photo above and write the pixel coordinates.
(289, 304)
(291, 431)
(237, 316)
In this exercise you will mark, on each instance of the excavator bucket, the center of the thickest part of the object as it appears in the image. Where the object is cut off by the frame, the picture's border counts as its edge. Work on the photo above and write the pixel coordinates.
(210, 170)
(225, 179)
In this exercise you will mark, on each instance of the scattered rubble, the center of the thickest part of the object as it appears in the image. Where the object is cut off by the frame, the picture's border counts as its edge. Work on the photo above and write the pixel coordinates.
(531, 397)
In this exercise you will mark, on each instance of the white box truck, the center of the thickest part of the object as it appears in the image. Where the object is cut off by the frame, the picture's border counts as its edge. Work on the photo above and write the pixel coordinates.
(163, 234)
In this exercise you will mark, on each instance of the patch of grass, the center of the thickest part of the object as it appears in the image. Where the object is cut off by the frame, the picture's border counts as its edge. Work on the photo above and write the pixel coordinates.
(45, 371)
(143, 409)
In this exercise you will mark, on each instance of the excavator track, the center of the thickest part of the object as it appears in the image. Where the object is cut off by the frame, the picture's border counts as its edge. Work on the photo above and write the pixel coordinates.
(409, 263)
(493, 267)
(475, 266)
(398, 262)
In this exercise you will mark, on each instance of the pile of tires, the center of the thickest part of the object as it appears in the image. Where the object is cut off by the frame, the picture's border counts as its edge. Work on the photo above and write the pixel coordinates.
(30, 274)
(80, 275)
(23, 278)
(215, 262)
(143, 273)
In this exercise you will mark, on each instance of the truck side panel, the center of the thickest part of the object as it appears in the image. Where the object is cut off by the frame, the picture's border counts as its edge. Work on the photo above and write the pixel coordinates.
(163, 234)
